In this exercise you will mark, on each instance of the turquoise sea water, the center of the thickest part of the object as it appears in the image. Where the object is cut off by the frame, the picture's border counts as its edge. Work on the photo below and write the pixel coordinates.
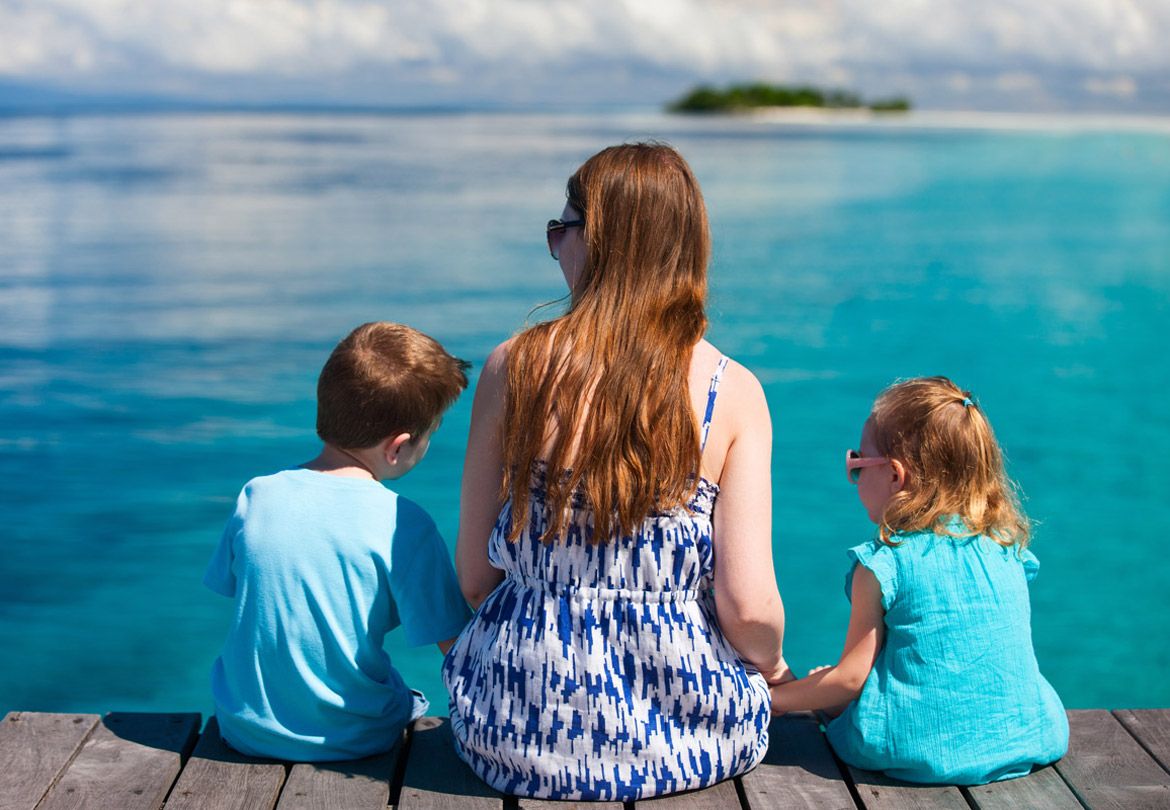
(171, 284)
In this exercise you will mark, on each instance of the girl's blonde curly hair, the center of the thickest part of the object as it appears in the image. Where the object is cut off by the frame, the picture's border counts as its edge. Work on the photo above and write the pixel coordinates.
(954, 465)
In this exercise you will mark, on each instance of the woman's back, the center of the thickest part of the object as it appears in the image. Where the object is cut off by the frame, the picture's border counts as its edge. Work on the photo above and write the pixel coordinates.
(599, 665)
(597, 670)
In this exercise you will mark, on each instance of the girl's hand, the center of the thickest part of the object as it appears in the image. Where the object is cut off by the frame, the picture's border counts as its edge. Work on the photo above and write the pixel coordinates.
(815, 670)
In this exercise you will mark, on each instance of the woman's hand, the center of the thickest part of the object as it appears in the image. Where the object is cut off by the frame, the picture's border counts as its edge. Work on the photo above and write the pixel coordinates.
(782, 673)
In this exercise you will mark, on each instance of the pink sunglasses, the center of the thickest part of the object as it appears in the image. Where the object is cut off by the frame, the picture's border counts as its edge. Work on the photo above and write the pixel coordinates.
(854, 462)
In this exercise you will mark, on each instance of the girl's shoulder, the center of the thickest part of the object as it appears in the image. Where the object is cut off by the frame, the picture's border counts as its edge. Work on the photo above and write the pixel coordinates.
(928, 549)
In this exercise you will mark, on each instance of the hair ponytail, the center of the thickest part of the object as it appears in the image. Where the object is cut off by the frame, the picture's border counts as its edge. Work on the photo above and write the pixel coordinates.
(953, 461)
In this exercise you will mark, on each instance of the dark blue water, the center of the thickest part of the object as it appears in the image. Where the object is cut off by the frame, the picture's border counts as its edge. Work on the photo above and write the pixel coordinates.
(171, 284)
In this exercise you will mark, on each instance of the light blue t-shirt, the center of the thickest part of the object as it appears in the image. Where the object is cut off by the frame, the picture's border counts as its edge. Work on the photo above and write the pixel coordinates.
(955, 695)
(321, 568)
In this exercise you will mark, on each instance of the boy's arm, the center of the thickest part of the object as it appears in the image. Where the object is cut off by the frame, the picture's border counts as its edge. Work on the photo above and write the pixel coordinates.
(219, 575)
(835, 686)
(479, 502)
(446, 645)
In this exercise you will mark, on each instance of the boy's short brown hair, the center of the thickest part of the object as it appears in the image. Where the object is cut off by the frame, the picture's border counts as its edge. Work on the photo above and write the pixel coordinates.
(382, 380)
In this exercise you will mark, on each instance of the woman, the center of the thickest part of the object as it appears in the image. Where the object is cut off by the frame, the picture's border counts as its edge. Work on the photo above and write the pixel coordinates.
(599, 664)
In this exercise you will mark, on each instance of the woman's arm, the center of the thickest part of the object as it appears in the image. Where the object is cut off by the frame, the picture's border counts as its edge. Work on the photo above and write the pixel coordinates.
(835, 686)
(747, 600)
(479, 502)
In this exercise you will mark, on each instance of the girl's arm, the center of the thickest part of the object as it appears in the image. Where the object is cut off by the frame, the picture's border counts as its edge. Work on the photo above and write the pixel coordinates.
(479, 502)
(836, 686)
(747, 601)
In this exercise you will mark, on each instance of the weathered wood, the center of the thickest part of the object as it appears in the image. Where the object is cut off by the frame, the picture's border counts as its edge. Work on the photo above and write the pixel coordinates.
(1151, 727)
(128, 762)
(547, 804)
(34, 749)
(799, 769)
(1106, 767)
(359, 784)
(879, 792)
(218, 778)
(436, 777)
(721, 796)
(1042, 788)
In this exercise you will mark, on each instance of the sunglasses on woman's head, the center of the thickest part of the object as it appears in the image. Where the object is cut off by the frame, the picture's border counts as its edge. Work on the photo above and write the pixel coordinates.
(555, 231)
(854, 462)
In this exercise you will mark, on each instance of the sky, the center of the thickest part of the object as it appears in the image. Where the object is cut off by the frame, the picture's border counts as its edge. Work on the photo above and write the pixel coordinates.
(1041, 55)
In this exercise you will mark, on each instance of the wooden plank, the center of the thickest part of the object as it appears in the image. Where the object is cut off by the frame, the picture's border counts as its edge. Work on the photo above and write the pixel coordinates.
(877, 791)
(799, 769)
(128, 762)
(548, 804)
(1151, 727)
(1042, 788)
(436, 777)
(1107, 768)
(357, 784)
(722, 796)
(219, 778)
(34, 749)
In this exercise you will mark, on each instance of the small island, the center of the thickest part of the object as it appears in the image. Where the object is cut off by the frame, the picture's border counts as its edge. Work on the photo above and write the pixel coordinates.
(746, 97)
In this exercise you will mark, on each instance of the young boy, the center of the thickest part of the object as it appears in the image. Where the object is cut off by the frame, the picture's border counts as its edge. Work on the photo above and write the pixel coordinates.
(322, 561)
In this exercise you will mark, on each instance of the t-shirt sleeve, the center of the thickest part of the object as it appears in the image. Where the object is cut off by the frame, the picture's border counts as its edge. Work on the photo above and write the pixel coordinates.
(219, 576)
(1031, 564)
(425, 591)
(879, 559)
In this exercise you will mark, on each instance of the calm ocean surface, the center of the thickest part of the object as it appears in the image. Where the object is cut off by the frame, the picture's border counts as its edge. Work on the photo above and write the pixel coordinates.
(171, 284)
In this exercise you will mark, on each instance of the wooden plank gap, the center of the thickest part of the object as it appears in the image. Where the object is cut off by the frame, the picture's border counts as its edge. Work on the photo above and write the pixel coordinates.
(400, 767)
(721, 795)
(1151, 729)
(35, 749)
(129, 761)
(876, 791)
(437, 778)
(1107, 768)
(216, 777)
(799, 769)
(1044, 787)
(356, 784)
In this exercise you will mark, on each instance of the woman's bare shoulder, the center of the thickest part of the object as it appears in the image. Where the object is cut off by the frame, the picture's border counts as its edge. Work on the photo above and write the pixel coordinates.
(739, 388)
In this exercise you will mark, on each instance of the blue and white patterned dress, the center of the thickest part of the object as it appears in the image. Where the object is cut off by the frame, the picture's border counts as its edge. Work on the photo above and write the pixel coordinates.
(598, 671)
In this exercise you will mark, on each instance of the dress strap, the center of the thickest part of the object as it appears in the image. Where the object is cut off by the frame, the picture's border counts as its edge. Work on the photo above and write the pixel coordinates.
(712, 392)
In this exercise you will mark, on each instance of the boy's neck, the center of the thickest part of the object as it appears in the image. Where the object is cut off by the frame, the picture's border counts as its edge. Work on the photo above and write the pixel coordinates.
(342, 463)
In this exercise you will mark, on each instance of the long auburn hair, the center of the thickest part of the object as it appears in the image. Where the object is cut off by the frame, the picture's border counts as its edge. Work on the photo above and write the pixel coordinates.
(954, 463)
(606, 382)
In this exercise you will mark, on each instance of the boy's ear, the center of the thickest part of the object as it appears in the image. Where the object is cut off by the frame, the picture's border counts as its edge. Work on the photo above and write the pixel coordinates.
(392, 446)
(898, 477)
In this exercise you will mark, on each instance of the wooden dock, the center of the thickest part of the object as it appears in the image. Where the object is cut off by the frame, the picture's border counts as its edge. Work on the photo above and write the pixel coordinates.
(129, 761)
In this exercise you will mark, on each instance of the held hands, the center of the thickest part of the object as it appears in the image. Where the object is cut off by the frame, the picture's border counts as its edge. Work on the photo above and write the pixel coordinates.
(808, 693)
(781, 673)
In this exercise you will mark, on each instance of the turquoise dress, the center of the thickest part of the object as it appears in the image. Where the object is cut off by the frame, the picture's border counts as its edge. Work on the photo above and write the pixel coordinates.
(955, 695)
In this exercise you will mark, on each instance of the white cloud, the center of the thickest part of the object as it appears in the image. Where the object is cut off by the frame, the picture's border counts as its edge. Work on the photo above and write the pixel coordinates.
(1119, 86)
(944, 44)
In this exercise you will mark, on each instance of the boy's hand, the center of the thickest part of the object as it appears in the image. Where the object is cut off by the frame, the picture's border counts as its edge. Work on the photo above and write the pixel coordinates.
(815, 670)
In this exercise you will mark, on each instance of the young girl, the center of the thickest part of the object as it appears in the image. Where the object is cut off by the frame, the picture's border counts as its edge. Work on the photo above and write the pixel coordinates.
(938, 682)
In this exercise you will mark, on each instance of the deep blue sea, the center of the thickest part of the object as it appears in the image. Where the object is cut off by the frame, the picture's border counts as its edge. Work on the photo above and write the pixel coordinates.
(171, 283)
